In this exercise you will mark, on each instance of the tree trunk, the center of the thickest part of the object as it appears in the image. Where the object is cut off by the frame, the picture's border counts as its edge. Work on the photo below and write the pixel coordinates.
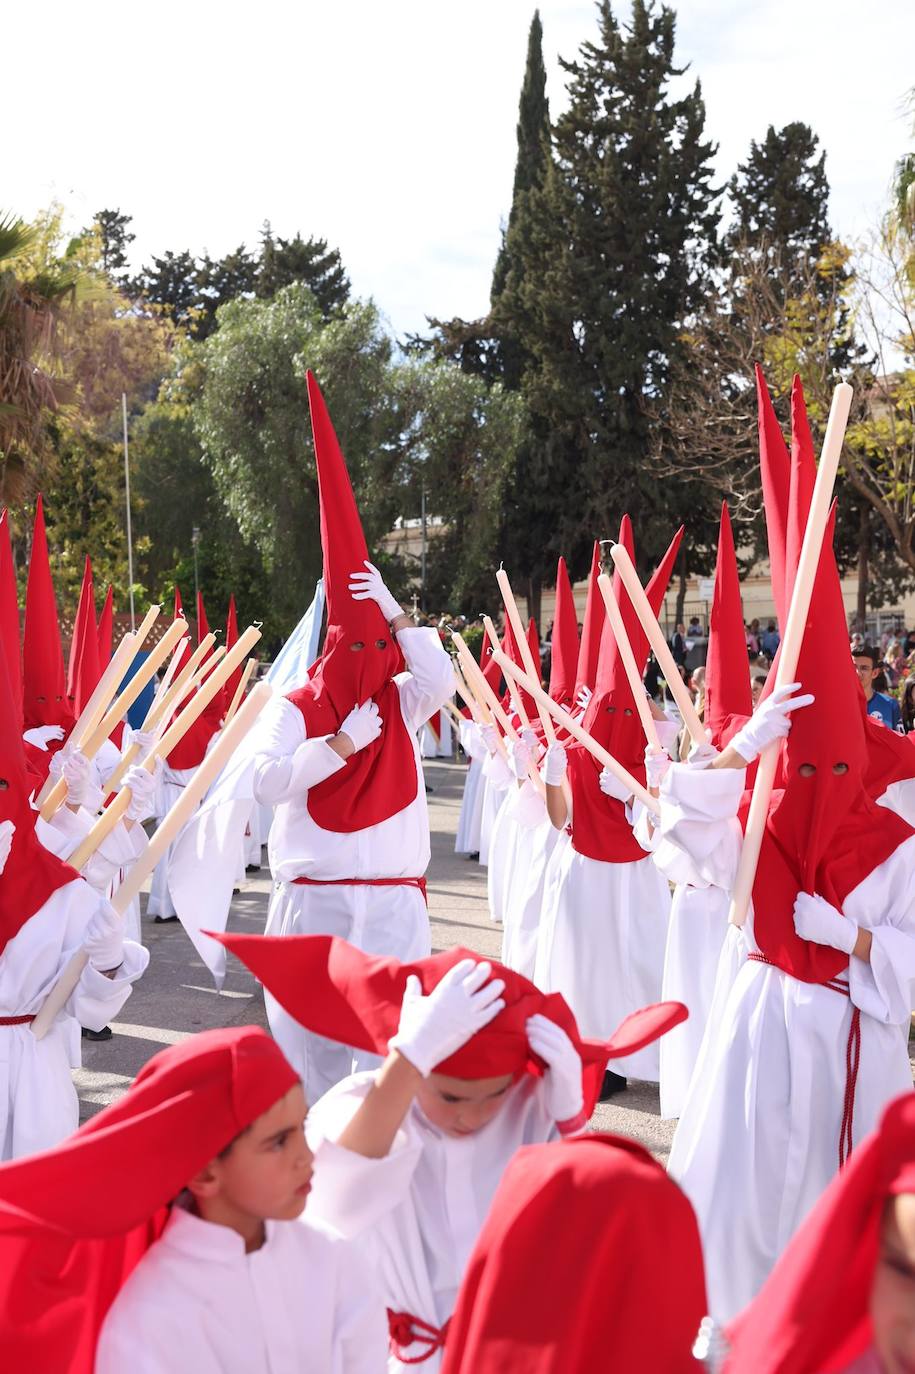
(534, 589)
(864, 548)
(681, 588)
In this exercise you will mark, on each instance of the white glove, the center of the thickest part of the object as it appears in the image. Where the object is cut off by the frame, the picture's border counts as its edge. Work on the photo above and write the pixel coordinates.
(564, 1097)
(7, 831)
(519, 759)
(668, 730)
(818, 920)
(490, 737)
(656, 766)
(555, 763)
(78, 773)
(362, 725)
(770, 722)
(702, 755)
(584, 696)
(432, 1028)
(369, 586)
(611, 786)
(529, 738)
(43, 735)
(104, 939)
(145, 742)
(142, 786)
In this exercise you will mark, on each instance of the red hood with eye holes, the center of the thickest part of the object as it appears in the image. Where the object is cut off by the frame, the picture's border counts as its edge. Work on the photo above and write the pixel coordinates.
(380, 780)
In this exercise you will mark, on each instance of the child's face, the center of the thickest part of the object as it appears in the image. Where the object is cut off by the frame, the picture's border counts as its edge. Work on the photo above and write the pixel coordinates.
(893, 1291)
(462, 1106)
(266, 1175)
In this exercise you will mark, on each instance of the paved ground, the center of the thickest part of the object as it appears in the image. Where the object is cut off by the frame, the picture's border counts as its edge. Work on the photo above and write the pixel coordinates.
(175, 998)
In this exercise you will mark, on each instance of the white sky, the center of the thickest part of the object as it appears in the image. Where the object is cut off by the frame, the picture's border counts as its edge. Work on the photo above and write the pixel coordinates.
(389, 128)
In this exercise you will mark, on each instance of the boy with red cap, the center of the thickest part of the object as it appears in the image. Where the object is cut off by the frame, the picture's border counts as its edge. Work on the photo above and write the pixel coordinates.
(524, 1304)
(409, 1157)
(606, 906)
(338, 760)
(811, 1043)
(197, 1259)
(47, 914)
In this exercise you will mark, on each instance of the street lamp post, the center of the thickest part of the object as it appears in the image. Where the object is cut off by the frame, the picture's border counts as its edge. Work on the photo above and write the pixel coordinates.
(195, 540)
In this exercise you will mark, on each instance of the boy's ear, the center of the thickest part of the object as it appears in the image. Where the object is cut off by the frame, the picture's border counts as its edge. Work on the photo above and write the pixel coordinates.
(206, 1182)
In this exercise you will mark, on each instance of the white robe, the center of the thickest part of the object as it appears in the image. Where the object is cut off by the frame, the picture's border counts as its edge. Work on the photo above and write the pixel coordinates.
(467, 840)
(497, 778)
(437, 747)
(304, 1303)
(418, 1211)
(38, 1102)
(392, 920)
(172, 783)
(759, 1135)
(536, 839)
(107, 867)
(602, 939)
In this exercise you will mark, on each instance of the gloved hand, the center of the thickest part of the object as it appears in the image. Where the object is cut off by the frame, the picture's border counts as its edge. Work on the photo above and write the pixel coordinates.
(529, 738)
(656, 766)
(611, 786)
(584, 696)
(7, 831)
(43, 735)
(555, 763)
(142, 786)
(78, 773)
(369, 586)
(818, 920)
(362, 725)
(432, 1028)
(519, 759)
(490, 737)
(145, 742)
(668, 730)
(702, 755)
(564, 1097)
(104, 939)
(770, 722)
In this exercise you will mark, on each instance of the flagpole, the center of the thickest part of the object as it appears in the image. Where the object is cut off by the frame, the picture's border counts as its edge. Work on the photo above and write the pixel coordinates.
(133, 624)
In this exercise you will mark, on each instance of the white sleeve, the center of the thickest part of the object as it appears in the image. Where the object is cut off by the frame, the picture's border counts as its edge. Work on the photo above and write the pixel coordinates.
(287, 762)
(429, 680)
(350, 1192)
(360, 1323)
(496, 769)
(472, 740)
(699, 819)
(884, 986)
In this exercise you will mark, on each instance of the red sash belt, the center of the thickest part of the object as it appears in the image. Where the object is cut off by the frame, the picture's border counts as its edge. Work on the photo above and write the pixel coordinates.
(418, 883)
(404, 1329)
(852, 1059)
(16, 1020)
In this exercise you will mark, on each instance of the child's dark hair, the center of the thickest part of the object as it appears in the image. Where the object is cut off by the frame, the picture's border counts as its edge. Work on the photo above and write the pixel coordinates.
(227, 1149)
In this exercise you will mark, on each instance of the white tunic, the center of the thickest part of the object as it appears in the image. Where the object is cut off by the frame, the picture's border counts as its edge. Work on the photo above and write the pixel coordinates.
(380, 920)
(536, 839)
(758, 1139)
(418, 1212)
(602, 939)
(439, 746)
(467, 840)
(497, 778)
(304, 1303)
(38, 1102)
(172, 783)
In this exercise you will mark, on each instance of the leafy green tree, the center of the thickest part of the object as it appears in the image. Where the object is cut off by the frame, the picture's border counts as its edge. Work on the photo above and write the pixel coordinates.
(171, 282)
(780, 195)
(113, 230)
(310, 261)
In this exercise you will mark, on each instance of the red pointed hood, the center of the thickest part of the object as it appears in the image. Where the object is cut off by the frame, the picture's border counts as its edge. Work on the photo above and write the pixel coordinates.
(10, 631)
(511, 649)
(106, 630)
(81, 1244)
(232, 638)
(813, 1312)
(728, 695)
(190, 751)
(358, 662)
(564, 641)
(203, 628)
(44, 683)
(774, 465)
(83, 672)
(824, 833)
(491, 670)
(592, 629)
(639, 1305)
(599, 826)
(31, 873)
(336, 990)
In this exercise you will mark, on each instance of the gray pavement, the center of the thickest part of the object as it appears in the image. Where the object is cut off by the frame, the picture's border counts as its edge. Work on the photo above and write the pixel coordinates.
(176, 996)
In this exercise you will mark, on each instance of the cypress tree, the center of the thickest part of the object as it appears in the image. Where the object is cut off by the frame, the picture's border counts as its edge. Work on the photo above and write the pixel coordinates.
(780, 195)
